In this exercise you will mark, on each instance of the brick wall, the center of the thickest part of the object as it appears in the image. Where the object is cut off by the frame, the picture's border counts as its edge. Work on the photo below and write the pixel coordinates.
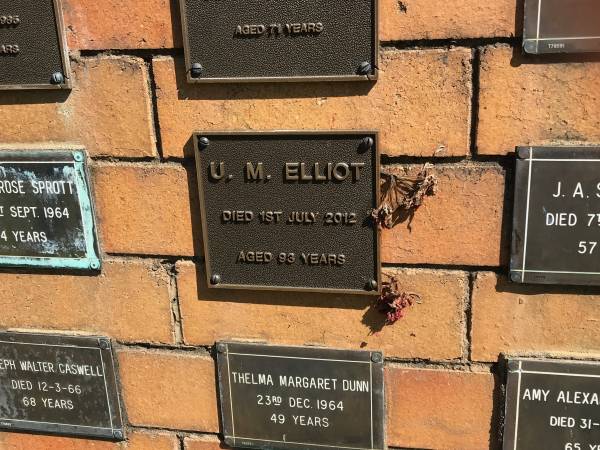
(454, 91)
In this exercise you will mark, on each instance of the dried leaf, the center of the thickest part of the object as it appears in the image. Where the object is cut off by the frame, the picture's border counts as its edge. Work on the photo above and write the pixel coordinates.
(402, 195)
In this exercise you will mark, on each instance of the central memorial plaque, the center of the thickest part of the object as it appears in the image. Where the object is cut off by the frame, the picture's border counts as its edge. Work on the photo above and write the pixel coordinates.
(33, 53)
(552, 405)
(46, 213)
(293, 40)
(290, 210)
(556, 223)
(301, 397)
(561, 26)
(55, 384)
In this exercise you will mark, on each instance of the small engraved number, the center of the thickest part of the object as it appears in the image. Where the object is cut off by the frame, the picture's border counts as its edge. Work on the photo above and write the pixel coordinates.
(56, 213)
(286, 258)
(29, 401)
(586, 248)
(572, 446)
(10, 20)
(339, 218)
(278, 418)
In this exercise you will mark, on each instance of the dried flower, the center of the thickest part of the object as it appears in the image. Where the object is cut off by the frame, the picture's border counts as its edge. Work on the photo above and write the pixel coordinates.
(401, 195)
(393, 303)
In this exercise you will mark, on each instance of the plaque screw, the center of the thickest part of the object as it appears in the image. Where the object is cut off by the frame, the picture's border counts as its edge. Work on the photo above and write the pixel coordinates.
(515, 277)
(215, 279)
(376, 357)
(118, 434)
(196, 70)
(221, 348)
(57, 78)
(372, 285)
(367, 143)
(364, 68)
(77, 156)
(94, 265)
(104, 344)
(203, 142)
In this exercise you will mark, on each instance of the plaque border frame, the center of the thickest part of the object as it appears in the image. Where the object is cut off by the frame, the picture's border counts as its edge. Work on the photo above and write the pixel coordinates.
(531, 43)
(110, 367)
(225, 408)
(518, 261)
(292, 79)
(64, 56)
(92, 260)
(514, 369)
(283, 133)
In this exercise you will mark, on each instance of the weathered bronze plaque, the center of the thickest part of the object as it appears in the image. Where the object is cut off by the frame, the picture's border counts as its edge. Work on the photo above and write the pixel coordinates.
(46, 213)
(561, 26)
(556, 223)
(301, 397)
(290, 211)
(552, 405)
(59, 385)
(292, 40)
(33, 52)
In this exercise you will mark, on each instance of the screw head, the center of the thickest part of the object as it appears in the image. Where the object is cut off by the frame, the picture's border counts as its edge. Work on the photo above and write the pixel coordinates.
(376, 357)
(196, 70)
(57, 78)
(367, 143)
(104, 344)
(94, 265)
(364, 68)
(78, 156)
(372, 285)
(203, 142)
(215, 279)
(221, 348)
(515, 277)
(118, 434)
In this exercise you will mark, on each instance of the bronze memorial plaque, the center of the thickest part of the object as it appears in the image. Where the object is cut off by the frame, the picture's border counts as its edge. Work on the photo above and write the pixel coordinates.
(301, 397)
(556, 221)
(290, 210)
(293, 40)
(552, 405)
(55, 384)
(46, 211)
(33, 52)
(561, 26)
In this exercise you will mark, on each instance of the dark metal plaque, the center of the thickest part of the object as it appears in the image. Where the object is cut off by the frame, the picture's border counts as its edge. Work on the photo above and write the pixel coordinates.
(552, 405)
(46, 212)
(290, 211)
(293, 40)
(301, 397)
(556, 223)
(33, 52)
(59, 385)
(561, 26)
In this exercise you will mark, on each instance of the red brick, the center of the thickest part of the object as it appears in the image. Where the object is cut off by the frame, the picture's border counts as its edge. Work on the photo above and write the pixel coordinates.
(461, 224)
(535, 101)
(108, 111)
(166, 389)
(136, 440)
(204, 443)
(433, 329)
(450, 19)
(122, 24)
(439, 409)
(421, 104)
(537, 320)
(128, 301)
(147, 208)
